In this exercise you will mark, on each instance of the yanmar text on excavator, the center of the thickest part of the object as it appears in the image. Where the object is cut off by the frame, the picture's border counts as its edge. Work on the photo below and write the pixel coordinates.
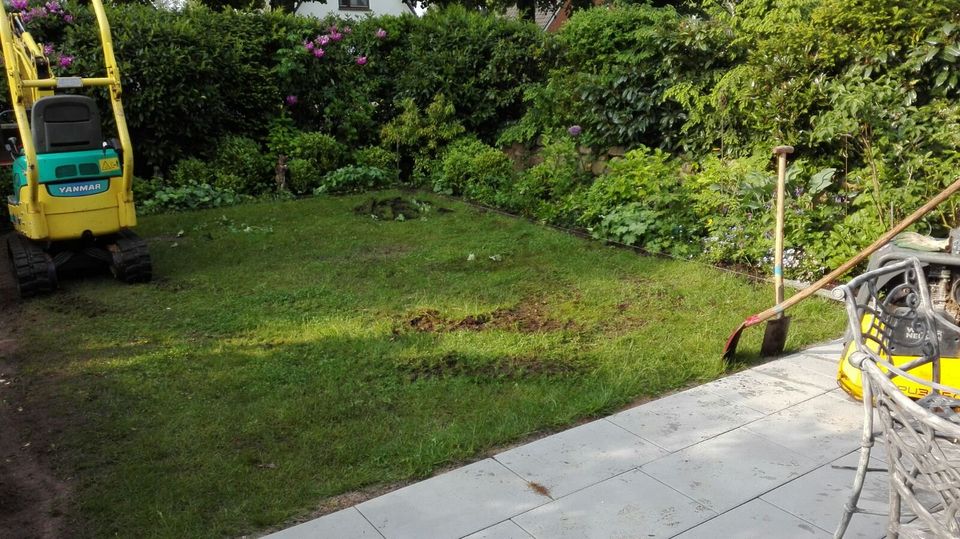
(72, 203)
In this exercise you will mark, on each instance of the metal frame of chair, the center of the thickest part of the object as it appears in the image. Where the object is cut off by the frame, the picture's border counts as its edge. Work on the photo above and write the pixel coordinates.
(921, 437)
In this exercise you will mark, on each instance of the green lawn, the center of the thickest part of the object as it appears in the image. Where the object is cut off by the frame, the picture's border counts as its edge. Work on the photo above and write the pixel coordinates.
(288, 352)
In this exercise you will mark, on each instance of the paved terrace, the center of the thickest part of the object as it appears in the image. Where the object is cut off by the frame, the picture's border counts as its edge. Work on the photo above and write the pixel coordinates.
(767, 452)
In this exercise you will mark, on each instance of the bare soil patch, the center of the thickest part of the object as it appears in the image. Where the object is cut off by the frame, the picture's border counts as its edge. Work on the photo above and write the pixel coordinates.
(510, 368)
(32, 499)
(527, 317)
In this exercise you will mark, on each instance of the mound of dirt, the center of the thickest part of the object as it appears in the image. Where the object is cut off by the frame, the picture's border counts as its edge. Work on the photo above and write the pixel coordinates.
(395, 209)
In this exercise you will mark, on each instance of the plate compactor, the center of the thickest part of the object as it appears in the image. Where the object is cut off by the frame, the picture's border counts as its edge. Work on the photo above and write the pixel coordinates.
(72, 202)
(941, 263)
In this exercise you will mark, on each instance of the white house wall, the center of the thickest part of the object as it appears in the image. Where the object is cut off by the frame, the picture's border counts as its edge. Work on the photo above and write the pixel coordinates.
(377, 7)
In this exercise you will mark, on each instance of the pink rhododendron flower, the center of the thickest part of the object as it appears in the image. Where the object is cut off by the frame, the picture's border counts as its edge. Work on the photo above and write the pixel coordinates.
(47, 49)
(291, 100)
(308, 45)
(323, 40)
(336, 36)
(318, 52)
(68, 18)
(381, 33)
(65, 60)
(53, 6)
(361, 60)
(19, 5)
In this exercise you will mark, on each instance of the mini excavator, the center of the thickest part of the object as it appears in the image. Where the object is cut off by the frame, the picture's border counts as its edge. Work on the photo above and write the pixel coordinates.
(72, 202)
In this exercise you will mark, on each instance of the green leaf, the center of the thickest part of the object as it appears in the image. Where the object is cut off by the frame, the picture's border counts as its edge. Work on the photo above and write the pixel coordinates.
(821, 180)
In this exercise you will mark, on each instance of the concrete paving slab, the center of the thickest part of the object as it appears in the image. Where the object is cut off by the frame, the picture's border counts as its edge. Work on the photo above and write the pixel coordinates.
(829, 351)
(763, 392)
(820, 428)
(683, 419)
(730, 469)
(505, 530)
(753, 519)
(346, 524)
(818, 498)
(792, 369)
(818, 364)
(579, 457)
(453, 504)
(627, 506)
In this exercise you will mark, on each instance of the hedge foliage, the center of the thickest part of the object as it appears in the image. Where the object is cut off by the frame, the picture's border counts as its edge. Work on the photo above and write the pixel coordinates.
(865, 89)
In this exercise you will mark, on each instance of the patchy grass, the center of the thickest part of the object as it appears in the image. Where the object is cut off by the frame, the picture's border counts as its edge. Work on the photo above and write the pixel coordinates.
(289, 352)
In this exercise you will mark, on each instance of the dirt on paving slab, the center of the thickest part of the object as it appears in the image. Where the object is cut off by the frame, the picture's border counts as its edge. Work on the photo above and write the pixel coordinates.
(32, 499)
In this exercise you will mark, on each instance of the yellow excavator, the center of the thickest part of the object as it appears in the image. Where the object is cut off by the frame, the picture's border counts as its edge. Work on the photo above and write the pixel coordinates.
(72, 202)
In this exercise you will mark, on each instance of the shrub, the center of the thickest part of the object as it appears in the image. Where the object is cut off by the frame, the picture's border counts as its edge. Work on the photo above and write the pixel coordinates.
(321, 149)
(419, 137)
(550, 189)
(375, 156)
(353, 178)
(304, 176)
(481, 63)
(641, 201)
(192, 171)
(191, 196)
(242, 166)
(474, 169)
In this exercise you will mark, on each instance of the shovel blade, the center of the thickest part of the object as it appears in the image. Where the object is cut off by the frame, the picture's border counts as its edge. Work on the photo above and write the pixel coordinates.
(775, 337)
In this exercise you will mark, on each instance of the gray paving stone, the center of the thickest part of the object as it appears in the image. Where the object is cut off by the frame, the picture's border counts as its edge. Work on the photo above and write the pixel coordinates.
(753, 519)
(829, 351)
(453, 504)
(627, 506)
(792, 369)
(818, 498)
(763, 392)
(505, 530)
(818, 364)
(579, 457)
(683, 419)
(821, 428)
(730, 469)
(345, 524)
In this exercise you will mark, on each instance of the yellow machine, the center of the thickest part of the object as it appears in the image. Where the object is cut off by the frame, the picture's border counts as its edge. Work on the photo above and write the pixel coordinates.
(942, 270)
(72, 202)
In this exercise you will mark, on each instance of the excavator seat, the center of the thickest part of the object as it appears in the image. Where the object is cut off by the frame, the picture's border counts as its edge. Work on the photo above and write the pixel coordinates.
(66, 123)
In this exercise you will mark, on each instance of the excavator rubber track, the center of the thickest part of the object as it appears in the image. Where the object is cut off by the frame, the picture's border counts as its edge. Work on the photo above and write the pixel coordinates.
(33, 268)
(131, 258)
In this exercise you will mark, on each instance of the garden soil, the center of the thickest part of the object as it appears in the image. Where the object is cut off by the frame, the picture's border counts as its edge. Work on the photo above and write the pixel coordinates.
(32, 499)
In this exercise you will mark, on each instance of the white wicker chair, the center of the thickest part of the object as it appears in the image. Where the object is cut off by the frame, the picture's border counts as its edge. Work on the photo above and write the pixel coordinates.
(922, 438)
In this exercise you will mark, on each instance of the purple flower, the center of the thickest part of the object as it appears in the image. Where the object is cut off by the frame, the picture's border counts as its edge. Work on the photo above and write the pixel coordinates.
(68, 18)
(66, 60)
(35, 13)
(336, 36)
(381, 33)
(318, 52)
(323, 40)
(291, 100)
(47, 49)
(574, 130)
(347, 30)
(19, 5)
(308, 45)
(361, 60)
(53, 6)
